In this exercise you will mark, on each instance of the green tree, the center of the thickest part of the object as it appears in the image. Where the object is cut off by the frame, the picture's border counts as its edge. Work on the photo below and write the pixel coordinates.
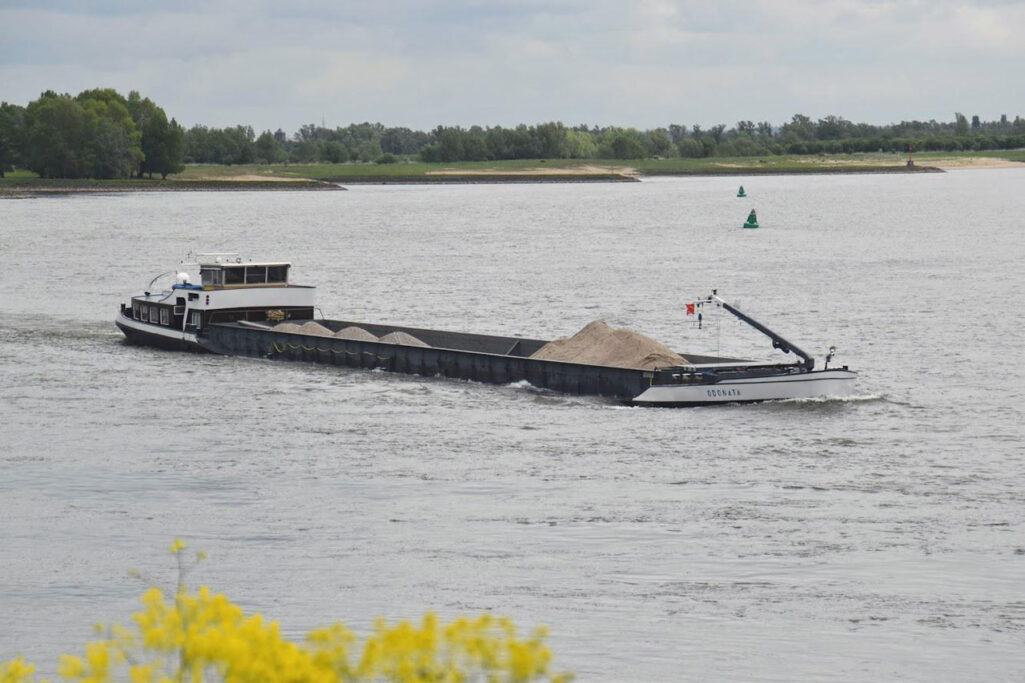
(430, 154)
(56, 137)
(690, 148)
(627, 146)
(800, 127)
(709, 145)
(175, 142)
(833, 128)
(163, 141)
(238, 144)
(163, 144)
(961, 124)
(551, 140)
(91, 135)
(660, 144)
(745, 127)
(114, 149)
(475, 145)
(450, 143)
(268, 149)
(333, 152)
(116, 140)
(304, 152)
(12, 135)
(677, 132)
(580, 145)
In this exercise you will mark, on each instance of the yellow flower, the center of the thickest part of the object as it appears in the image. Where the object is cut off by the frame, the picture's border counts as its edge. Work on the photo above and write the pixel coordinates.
(71, 667)
(16, 671)
(201, 635)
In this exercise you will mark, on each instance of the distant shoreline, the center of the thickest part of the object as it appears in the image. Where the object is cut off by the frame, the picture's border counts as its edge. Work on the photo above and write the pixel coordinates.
(61, 186)
(243, 179)
(57, 187)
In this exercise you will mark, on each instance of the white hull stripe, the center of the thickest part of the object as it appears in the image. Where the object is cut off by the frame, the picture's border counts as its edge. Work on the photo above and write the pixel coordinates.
(839, 383)
(159, 330)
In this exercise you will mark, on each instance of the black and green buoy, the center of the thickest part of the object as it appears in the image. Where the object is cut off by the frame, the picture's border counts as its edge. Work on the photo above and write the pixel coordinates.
(752, 220)
(740, 192)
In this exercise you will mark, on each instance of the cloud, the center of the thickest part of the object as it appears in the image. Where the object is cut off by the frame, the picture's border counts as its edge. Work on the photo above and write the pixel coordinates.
(428, 62)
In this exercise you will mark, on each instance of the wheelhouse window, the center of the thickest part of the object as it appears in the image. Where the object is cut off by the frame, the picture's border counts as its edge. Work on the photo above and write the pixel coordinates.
(234, 276)
(143, 312)
(210, 277)
(277, 275)
(153, 314)
(135, 310)
(256, 275)
(165, 316)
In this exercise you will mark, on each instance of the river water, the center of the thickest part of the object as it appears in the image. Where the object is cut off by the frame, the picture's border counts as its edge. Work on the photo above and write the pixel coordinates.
(880, 537)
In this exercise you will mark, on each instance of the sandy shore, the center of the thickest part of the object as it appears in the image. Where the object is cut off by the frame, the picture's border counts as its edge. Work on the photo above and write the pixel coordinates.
(250, 178)
(589, 170)
(961, 163)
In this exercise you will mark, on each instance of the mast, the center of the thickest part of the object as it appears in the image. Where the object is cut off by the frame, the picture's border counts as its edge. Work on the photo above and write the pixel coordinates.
(778, 342)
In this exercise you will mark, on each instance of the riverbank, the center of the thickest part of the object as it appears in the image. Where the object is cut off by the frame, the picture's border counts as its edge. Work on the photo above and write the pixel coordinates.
(205, 178)
(20, 187)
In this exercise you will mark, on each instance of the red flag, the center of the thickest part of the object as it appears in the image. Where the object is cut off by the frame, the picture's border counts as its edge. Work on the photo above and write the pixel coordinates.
(690, 309)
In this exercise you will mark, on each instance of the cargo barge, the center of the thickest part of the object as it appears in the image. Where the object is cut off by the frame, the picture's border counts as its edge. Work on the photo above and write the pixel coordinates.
(238, 307)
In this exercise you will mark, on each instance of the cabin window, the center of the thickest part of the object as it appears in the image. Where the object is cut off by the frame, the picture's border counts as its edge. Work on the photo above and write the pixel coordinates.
(165, 316)
(234, 276)
(196, 319)
(277, 274)
(135, 310)
(153, 314)
(211, 277)
(256, 275)
(143, 312)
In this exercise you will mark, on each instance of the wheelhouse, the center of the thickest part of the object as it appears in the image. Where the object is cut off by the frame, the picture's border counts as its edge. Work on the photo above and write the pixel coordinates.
(228, 275)
(228, 289)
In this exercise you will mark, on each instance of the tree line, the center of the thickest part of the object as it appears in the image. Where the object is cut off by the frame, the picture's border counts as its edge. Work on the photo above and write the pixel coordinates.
(96, 134)
(366, 142)
(101, 134)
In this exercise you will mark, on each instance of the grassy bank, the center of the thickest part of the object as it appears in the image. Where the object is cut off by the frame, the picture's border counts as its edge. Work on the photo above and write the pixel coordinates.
(517, 170)
(328, 176)
(563, 170)
(23, 183)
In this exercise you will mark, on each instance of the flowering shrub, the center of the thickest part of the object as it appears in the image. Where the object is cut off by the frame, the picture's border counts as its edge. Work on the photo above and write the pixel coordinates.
(199, 636)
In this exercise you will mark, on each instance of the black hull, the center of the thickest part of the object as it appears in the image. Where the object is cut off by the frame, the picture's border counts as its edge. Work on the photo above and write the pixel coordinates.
(141, 338)
(482, 358)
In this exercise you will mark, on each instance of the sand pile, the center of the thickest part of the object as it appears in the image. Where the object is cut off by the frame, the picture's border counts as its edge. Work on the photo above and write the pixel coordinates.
(317, 329)
(291, 328)
(402, 338)
(599, 344)
(355, 333)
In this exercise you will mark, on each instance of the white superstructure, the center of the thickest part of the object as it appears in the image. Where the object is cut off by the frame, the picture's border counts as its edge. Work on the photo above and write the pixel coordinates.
(230, 289)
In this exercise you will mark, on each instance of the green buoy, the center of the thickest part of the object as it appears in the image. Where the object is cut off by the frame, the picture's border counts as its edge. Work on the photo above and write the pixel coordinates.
(741, 193)
(752, 220)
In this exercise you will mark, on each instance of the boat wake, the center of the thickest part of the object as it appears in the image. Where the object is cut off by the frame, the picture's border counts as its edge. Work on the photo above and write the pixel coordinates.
(864, 398)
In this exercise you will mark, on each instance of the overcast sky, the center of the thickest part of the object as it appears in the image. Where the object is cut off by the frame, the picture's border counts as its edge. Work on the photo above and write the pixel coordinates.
(607, 62)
